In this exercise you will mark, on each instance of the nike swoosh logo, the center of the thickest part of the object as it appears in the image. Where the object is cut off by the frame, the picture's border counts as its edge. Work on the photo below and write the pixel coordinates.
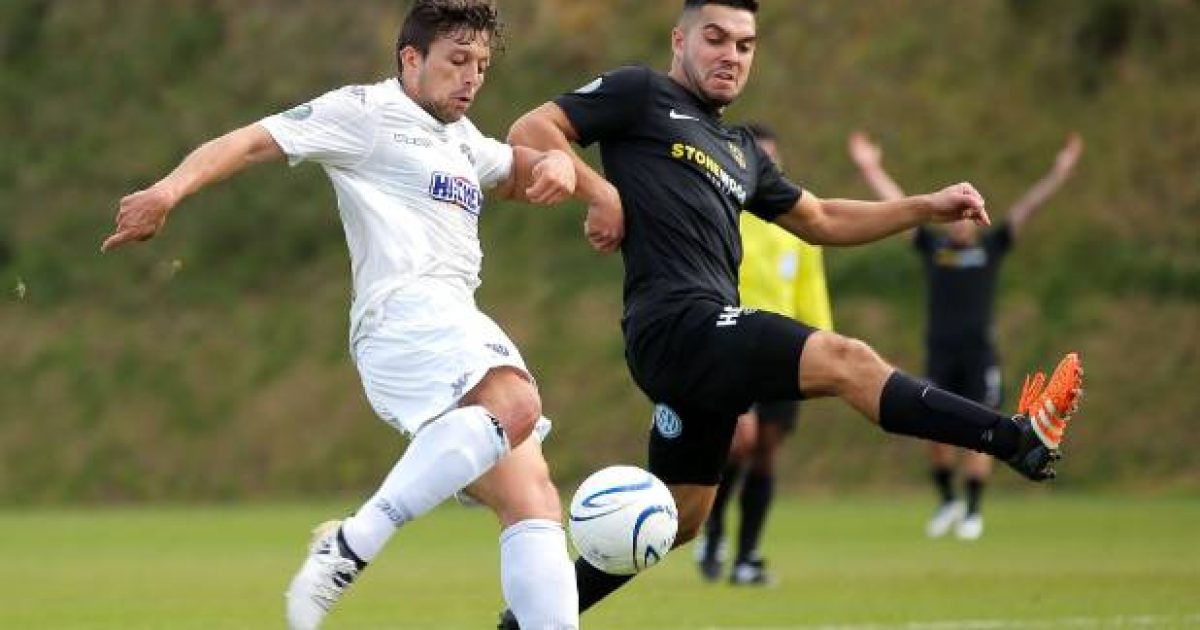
(677, 116)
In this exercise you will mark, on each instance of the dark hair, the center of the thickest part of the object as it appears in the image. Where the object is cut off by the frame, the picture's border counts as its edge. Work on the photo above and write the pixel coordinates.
(429, 19)
(749, 5)
(762, 132)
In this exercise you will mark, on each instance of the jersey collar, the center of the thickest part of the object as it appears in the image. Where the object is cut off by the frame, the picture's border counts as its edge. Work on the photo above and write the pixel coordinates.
(705, 107)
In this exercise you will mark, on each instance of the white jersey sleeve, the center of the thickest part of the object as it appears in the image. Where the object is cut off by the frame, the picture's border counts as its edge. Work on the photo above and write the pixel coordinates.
(493, 159)
(335, 129)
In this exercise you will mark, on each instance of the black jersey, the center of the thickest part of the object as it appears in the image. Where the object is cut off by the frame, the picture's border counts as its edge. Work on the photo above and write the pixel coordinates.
(961, 284)
(683, 177)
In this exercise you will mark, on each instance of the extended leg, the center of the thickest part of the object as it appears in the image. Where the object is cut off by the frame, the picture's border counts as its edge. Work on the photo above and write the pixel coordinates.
(847, 368)
(536, 574)
(445, 455)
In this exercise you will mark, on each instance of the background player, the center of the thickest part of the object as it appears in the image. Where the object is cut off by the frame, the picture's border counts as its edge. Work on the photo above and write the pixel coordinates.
(683, 179)
(961, 266)
(408, 169)
(782, 274)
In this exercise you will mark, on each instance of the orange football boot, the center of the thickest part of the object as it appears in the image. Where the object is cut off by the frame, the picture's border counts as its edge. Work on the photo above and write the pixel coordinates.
(1043, 412)
(1050, 407)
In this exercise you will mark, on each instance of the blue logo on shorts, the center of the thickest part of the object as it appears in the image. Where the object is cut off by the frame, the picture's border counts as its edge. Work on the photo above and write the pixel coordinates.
(667, 422)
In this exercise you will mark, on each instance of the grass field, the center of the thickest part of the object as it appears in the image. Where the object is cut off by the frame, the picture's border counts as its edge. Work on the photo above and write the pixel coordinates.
(856, 563)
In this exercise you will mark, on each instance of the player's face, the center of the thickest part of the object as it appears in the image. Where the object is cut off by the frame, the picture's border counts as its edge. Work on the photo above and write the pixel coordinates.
(445, 81)
(714, 50)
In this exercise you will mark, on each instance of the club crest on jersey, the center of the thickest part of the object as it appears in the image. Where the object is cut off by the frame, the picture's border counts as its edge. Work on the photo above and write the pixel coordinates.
(667, 422)
(299, 112)
(466, 150)
(738, 155)
(459, 191)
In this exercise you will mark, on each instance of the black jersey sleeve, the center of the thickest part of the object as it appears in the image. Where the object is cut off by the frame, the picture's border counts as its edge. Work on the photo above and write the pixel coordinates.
(998, 240)
(922, 239)
(774, 194)
(608, 105)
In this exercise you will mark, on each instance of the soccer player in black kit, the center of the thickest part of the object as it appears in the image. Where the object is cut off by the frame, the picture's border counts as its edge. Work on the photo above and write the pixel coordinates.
(961, 267)
(677, 179)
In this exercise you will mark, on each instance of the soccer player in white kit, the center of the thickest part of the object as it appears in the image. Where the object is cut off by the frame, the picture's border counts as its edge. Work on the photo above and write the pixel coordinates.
(408, 169)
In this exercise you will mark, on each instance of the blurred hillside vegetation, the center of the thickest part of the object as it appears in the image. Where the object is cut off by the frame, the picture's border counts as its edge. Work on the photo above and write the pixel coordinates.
(211, 363)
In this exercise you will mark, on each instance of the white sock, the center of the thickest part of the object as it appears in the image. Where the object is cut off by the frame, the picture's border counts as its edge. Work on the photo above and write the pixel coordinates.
(538, 577)
(446, 455)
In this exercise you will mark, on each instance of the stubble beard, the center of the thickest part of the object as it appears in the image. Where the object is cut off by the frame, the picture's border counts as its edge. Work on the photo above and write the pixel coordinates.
(697, 81)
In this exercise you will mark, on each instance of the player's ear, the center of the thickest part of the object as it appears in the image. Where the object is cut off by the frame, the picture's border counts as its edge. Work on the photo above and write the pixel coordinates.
(410, 60)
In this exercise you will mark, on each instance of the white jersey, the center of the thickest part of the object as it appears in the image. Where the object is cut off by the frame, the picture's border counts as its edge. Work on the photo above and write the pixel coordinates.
(409, 188)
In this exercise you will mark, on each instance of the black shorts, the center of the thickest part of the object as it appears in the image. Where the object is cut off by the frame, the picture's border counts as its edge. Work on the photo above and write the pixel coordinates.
(703, 367)
(970, 370)
(781, 413)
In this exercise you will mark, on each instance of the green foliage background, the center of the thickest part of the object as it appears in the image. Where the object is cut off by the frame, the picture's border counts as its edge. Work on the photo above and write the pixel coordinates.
(211, 363)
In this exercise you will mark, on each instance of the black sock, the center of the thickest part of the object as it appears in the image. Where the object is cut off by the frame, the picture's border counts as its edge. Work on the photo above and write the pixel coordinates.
(594, 584)
(757, 491)
(913, 407)
(942, 479)
(714, 527)
(974, 493)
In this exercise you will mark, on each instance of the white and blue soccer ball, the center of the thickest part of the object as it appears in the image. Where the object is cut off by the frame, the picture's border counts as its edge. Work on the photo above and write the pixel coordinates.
(623, 520)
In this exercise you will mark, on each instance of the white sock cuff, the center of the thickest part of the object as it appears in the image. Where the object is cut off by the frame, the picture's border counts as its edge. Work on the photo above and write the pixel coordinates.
(530, 525)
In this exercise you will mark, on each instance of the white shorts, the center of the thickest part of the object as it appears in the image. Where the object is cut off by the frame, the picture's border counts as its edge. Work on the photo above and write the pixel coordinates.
(423, 351)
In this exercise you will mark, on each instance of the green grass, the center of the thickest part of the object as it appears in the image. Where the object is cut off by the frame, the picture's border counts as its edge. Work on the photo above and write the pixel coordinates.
(850, 563)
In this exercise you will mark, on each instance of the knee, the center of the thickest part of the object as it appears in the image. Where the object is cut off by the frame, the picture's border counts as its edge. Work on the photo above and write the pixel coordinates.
(855, 352)
(847, 360)
(518, 412)
(522, 416)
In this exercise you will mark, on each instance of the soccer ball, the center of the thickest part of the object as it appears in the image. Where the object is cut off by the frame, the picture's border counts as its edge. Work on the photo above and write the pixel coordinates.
(623, 520)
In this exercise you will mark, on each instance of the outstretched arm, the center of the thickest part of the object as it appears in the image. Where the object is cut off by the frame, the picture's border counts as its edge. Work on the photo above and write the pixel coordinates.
(869, 158)
(847, 222)
(1036, 197)
(142, 214)
(547, 128)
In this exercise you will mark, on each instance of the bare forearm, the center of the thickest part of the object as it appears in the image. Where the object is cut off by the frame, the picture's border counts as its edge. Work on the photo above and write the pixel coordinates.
(849, 222)
(538, 177)
(219, 159)
(142, 214)
(536, 131)
(524, 160)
